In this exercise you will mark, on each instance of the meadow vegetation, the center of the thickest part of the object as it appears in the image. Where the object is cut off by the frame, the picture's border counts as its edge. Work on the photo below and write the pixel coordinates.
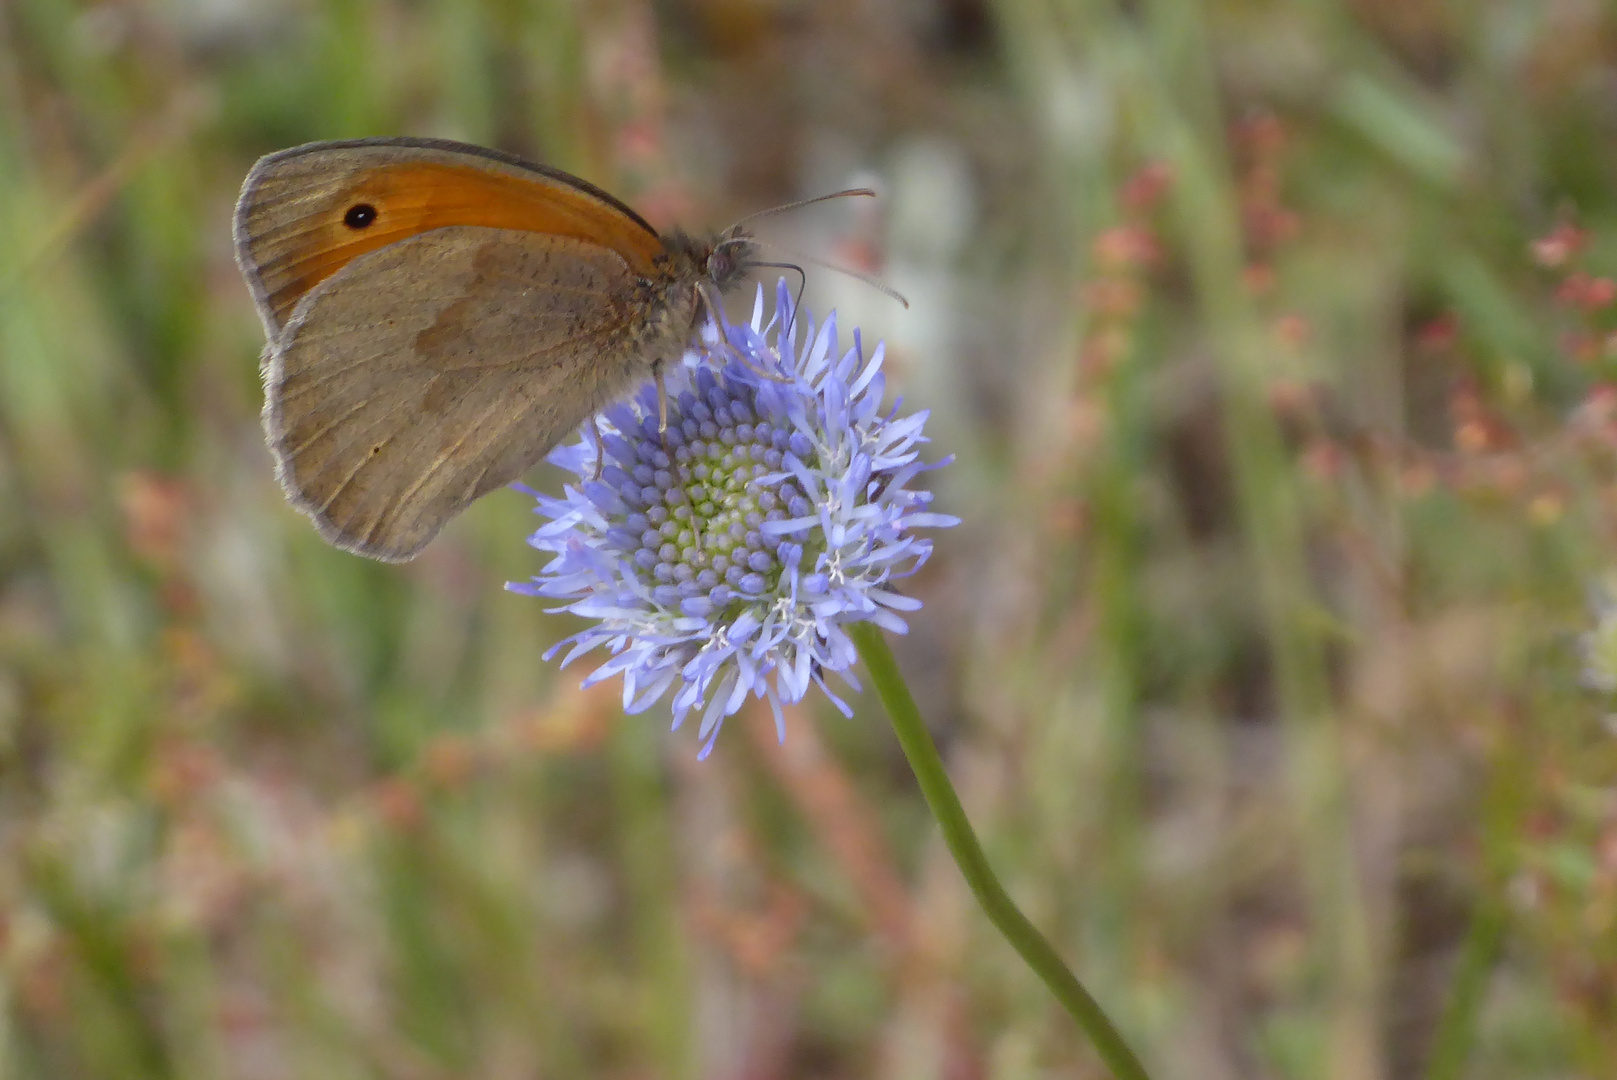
(1275, 344)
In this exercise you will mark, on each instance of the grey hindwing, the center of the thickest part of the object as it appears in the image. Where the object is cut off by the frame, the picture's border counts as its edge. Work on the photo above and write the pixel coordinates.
(433, 370)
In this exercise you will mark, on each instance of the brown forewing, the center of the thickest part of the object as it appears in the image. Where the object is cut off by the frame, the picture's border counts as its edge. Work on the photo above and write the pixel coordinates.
(428, 372)
(290, 227)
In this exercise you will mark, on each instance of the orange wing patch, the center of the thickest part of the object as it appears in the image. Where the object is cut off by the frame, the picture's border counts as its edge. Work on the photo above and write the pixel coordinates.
(407, 198)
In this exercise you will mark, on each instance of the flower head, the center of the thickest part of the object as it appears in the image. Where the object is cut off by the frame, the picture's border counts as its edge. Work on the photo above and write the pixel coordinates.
(722, 558)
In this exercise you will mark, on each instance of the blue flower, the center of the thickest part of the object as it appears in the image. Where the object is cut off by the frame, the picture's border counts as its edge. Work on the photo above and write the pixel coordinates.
(730, 566)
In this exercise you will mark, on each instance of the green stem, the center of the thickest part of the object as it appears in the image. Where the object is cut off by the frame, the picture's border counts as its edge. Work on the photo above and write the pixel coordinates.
(968, 855)
(1504, 805)
(1455, 1034)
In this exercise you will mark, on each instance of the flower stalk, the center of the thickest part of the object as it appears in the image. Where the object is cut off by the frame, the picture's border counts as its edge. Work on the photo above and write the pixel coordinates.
(1035, 949)
(750, 547)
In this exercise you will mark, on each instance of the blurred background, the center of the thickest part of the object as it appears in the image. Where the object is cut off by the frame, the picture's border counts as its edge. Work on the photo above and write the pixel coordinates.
(1274, 344)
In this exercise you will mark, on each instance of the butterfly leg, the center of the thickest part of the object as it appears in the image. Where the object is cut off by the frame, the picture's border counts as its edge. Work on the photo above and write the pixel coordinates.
(746, 362)
(751, 365)
(662, 406)
(600, 446)
(711, 300)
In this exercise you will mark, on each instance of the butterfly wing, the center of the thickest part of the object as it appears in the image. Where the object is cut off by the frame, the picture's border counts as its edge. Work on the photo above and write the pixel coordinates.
(431, 370)
(307, 212)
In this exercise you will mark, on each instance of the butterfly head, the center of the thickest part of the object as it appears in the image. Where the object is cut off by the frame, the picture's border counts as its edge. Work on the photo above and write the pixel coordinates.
(729, 257)
(715, 262)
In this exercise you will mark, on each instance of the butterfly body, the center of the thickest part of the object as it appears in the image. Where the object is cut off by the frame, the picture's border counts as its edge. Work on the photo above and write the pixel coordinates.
(439, 316)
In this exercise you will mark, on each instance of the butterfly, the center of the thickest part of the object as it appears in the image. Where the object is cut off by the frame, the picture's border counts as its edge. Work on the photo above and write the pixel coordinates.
(439, 316)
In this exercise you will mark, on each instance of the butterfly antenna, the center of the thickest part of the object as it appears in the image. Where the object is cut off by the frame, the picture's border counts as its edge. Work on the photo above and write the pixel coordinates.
(799, 204)
(858, 275)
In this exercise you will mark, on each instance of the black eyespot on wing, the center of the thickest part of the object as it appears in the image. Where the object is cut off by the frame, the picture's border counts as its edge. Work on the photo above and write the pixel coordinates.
(359, 216)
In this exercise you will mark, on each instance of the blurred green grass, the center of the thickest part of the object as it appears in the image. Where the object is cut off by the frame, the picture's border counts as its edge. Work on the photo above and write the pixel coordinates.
(1266, 339)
